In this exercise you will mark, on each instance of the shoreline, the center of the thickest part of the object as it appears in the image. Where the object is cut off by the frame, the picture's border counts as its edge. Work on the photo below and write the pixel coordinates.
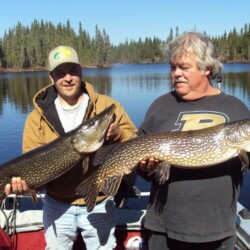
(36, 69)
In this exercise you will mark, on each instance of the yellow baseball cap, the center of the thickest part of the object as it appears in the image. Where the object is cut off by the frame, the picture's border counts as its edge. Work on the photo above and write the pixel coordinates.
(60, 55)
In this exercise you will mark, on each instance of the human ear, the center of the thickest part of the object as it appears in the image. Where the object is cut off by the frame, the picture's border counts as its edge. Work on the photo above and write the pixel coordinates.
(208, 71)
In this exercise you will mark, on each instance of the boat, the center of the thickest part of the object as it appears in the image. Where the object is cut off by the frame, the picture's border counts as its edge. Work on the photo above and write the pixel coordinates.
(22, 226)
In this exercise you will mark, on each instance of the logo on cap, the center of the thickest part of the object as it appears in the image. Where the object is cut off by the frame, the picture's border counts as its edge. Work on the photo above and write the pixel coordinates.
(63, 53)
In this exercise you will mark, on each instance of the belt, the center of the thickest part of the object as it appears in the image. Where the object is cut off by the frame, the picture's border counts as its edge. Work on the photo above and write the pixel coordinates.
(76, 201)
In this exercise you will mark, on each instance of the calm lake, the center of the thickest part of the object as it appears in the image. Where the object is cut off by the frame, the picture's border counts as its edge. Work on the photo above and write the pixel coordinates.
(134, 86)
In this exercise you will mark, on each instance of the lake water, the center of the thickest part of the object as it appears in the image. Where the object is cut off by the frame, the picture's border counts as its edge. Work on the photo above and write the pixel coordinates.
(134, 86)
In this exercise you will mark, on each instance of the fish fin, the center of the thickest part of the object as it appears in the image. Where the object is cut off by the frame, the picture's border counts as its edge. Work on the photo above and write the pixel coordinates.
(111, 185)
(85, 164)
(162, 172)
(33, 195)
(100, 155)
(89, 190)
(91, 200)
(244, 160)
(40, 196)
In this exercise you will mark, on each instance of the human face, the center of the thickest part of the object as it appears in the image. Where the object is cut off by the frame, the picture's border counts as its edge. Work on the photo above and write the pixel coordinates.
(187, 79)
(67, 80)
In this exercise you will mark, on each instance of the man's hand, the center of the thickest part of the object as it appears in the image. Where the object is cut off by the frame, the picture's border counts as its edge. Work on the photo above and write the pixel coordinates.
(149, 165)
(17, 186)
(114, 131)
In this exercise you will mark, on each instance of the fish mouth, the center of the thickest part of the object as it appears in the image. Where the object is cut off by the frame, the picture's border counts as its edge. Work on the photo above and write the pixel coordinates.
(91, 135)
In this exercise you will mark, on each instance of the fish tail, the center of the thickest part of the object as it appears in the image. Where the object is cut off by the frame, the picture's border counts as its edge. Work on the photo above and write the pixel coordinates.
(89, 190)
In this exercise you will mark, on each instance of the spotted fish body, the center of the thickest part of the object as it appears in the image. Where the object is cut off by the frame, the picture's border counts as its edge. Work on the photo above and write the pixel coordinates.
(187, 149)
(39, 166)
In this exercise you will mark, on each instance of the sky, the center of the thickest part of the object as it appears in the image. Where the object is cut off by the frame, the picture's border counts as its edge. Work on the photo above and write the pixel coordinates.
(130, 19)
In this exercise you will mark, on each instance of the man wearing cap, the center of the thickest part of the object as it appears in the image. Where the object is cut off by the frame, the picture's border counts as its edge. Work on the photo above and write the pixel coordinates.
(59, 108)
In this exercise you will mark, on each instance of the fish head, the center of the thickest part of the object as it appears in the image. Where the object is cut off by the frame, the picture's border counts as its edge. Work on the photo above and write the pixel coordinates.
(90, 136)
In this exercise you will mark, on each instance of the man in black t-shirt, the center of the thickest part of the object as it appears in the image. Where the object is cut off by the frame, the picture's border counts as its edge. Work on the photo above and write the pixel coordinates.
(195, 208)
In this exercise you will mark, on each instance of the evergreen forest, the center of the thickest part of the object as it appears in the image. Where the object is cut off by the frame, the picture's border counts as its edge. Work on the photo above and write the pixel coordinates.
(27, 47)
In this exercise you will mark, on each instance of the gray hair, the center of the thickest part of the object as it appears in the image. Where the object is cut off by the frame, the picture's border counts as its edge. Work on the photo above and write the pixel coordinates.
(202, 47)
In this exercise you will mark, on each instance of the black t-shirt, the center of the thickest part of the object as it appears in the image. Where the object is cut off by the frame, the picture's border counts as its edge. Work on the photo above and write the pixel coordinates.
(195, 205)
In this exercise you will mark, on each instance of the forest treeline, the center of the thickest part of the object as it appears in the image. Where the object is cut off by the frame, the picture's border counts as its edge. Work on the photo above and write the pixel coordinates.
(25, 47)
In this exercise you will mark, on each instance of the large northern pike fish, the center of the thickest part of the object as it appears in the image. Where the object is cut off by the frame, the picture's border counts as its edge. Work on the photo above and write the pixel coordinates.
(187, 149)
(40, 166)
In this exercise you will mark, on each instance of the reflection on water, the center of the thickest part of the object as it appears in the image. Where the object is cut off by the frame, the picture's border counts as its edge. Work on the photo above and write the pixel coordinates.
(134, 86)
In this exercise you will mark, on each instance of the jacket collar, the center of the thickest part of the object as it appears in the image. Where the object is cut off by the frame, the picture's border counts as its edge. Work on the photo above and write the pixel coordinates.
(44, 101)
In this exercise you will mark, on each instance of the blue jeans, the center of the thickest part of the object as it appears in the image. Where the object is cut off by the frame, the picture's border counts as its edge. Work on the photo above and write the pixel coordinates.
(62, 222)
